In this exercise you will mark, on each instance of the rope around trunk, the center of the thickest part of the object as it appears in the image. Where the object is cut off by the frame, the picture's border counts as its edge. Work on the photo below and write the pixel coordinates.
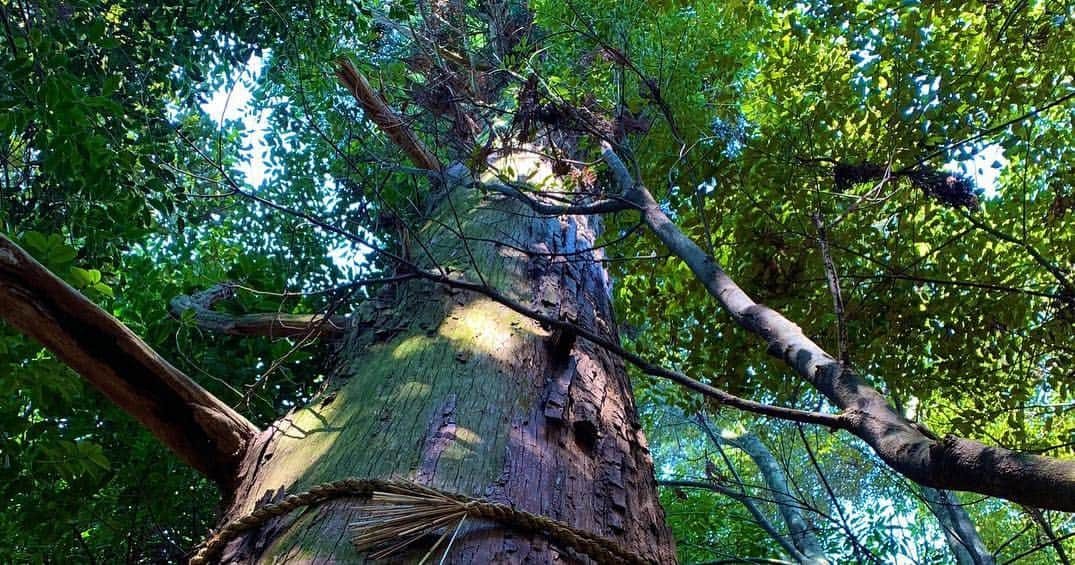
(401, 512)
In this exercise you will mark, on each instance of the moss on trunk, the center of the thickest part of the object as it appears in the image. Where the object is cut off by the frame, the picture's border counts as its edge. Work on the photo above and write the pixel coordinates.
(454, 390)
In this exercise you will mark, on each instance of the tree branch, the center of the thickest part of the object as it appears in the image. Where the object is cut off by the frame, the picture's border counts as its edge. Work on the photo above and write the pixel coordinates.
(273, 324)
(603, 206)
(385, 117)
(789, 543)
(1067, 292)
(950, 463)
(203, 431)
(833, 279)
(989, 131)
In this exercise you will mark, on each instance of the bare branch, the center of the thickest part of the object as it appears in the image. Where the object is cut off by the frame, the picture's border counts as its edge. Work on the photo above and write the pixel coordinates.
(963, 284)
(603, 206)
(793, 548)
(833, 279)
(203, 431)
(385, 117)
(1067, 292)
(652, 85)
(272, 324)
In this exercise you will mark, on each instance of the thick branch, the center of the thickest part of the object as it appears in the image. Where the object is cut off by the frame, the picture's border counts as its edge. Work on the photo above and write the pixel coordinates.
(203, 431)
(385, 117)
(952, 463)
(268, 324)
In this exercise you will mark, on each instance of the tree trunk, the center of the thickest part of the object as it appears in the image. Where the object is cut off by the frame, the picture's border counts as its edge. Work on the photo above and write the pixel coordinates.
(800, 531)
(452, 390)
(959, 530)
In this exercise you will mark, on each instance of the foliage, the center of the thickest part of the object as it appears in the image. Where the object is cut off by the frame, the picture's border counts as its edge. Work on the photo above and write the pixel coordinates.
(115, 177)
(90, 98)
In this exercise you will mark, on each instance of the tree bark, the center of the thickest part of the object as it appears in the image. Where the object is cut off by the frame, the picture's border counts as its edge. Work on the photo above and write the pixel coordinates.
(453, 390)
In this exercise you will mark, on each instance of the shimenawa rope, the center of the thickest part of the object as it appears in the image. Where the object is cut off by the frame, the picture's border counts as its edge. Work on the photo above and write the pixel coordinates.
(401, 512)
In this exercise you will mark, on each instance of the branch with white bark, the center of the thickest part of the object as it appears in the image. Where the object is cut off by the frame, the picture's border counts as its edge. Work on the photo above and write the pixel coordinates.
(950, 463)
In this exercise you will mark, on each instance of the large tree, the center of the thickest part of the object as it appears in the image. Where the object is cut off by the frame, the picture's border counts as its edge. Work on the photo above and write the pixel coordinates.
(470, 166)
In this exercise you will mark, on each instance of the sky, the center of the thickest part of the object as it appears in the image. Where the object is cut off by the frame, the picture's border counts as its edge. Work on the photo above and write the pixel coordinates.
(234, 104)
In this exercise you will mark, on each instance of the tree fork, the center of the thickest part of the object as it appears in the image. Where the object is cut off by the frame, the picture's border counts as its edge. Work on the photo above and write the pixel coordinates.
(203, 431)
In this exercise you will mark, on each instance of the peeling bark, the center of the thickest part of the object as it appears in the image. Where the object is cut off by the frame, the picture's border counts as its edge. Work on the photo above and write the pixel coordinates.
(203, 431)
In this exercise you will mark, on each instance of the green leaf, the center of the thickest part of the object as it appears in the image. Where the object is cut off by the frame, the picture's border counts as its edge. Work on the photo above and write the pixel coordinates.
(82, 278)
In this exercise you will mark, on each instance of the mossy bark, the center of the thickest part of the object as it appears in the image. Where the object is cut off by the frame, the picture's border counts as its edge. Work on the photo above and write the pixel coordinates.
(453, 390)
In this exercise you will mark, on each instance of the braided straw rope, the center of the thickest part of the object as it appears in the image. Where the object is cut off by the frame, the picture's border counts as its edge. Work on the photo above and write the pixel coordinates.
(402, 512)
(316, 495)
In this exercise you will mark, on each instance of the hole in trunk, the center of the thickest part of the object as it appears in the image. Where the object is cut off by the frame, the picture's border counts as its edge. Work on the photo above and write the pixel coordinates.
(585, 434)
